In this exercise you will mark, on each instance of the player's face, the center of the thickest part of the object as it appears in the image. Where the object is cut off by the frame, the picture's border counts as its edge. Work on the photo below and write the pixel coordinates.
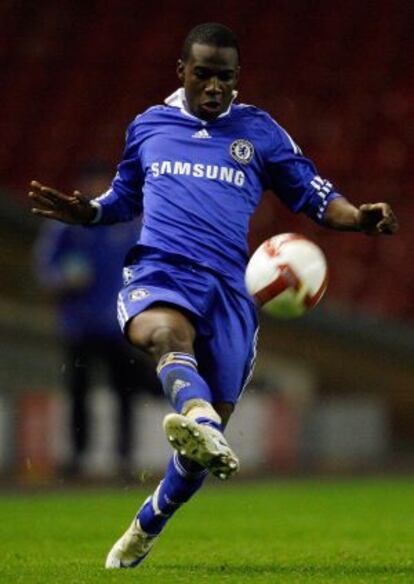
(209, 77)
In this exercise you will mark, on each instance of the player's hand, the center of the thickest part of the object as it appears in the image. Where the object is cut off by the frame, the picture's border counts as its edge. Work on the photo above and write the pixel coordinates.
(52, 204)
(377, 218)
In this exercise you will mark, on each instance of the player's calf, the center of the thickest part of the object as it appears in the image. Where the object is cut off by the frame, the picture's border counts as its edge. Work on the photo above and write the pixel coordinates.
(181, 381)
(196, 430)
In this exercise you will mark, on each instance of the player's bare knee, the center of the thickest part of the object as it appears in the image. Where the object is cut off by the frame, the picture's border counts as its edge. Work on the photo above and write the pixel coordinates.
(167, 338)
(160, 331)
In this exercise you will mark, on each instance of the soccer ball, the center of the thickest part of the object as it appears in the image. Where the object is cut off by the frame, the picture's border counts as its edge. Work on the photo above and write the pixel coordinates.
(287, 275)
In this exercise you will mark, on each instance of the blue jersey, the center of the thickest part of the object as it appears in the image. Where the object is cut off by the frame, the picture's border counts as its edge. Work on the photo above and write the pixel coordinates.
(198, 183)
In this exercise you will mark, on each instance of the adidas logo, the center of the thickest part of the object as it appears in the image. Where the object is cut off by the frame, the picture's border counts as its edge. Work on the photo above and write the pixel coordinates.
(178, 385)
(201, 134)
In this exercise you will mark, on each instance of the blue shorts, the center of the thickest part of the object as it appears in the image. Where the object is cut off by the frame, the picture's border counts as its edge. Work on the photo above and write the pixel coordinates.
(225, 320)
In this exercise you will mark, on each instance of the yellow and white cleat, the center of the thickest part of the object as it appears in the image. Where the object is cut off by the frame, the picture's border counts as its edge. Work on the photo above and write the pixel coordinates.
(202, 444)
(130, 549)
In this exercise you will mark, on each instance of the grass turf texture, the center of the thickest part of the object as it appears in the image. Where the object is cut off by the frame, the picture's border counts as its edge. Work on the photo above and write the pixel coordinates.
(358, 531)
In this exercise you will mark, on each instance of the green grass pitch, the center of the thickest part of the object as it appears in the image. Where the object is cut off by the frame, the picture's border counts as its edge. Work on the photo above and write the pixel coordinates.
(359, 531)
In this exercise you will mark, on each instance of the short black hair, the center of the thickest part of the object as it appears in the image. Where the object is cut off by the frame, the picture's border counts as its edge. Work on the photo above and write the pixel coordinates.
(210, 33)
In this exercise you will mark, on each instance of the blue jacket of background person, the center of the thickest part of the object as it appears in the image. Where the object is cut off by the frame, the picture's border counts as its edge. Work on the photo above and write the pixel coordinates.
(82, 268)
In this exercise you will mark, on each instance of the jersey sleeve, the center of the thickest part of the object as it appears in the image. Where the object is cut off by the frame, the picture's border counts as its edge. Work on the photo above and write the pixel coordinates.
(294, 178)
(123, 200)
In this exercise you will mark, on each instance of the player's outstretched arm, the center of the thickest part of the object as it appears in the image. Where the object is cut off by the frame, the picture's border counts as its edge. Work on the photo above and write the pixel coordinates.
(370, 218)
(52, 204)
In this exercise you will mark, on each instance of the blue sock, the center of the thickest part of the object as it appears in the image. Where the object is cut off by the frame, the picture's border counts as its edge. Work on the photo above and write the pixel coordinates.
(182, 480)
(180, 379)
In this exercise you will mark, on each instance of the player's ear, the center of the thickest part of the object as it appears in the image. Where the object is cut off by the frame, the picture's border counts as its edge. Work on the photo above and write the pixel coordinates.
(180, 70)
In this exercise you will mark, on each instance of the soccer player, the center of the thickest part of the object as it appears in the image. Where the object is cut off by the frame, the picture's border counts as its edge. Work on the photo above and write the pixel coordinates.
(196, 167)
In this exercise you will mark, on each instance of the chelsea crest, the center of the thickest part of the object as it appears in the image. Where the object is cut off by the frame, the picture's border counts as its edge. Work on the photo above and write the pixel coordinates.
(242, 151)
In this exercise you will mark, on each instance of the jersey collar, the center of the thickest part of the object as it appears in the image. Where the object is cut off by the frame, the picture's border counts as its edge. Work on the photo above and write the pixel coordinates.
(178, 100)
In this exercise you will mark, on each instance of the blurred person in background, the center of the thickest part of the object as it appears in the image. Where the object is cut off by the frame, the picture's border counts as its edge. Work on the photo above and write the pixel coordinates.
(82, 270)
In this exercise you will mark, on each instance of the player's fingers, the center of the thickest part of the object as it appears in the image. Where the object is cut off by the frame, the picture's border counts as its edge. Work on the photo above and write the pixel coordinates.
(79, 197)
(56, 196)
(40, 200)
(48, 213)
(50, 193)
(35, 185)
(35, 188)
(389, 224)
(366, 207)
(38, 187)
(386, 229)
(383, 207)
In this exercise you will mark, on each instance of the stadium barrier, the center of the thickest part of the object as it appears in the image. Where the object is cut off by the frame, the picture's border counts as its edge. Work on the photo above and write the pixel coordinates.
(270, 433)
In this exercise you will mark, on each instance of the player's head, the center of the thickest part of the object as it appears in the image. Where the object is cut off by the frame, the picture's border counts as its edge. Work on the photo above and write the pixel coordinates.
(209, 69)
